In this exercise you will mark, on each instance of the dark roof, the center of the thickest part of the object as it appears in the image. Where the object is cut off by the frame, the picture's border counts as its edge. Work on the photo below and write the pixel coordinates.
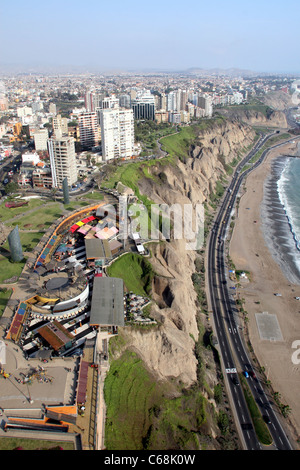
(82, 382)
(107, 306)
(55, 334)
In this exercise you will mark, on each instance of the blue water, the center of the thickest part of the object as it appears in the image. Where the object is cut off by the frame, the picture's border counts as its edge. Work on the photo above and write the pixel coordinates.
(289, 194)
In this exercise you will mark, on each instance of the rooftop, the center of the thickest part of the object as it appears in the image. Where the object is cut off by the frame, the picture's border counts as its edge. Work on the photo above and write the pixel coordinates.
(97, 248)
(107, 306)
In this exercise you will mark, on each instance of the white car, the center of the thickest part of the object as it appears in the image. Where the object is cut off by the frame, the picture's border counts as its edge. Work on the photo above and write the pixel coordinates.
(278, 295)
(297, 298)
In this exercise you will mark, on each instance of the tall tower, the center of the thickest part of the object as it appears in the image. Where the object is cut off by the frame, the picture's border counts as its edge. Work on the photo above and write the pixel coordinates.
(60, 126)
(144, 106)
(62, 160)
(88, 129)
(117, 133)
(15, 245)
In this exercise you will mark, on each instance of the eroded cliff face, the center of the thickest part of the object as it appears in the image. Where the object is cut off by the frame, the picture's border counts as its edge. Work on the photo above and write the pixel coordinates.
(192, 181)
(169, 350)
(276, 118)
(278, 100)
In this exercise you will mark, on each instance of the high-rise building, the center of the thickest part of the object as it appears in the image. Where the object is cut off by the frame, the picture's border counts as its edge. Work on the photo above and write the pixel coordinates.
(40, 139)
(60, 126)
(88, 101)
(62, 160)
(117, 133)
(88, 129)
(3, 98)
(93, 100)
(110, 102)
(183, 99)
(125, 101)
(144, 106)
(177, 100)
(161, 102)
(171, 101)
(205, 102)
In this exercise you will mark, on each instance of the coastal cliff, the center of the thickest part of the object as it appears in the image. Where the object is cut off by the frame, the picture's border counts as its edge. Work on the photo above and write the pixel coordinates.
(268, 118)
(169, 351)
(175, 351)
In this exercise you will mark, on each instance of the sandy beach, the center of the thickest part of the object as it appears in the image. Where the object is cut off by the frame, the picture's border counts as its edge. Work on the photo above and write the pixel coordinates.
(251, 250)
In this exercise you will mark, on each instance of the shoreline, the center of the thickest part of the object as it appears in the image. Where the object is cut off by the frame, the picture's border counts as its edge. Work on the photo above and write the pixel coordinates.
(253, 248)
(276, 225)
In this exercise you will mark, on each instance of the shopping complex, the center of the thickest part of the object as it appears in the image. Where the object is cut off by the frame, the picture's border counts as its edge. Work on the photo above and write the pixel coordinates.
(68, 312)
(60, 287)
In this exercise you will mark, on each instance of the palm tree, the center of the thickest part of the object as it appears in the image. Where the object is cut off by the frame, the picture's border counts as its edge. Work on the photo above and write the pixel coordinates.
(54, 192)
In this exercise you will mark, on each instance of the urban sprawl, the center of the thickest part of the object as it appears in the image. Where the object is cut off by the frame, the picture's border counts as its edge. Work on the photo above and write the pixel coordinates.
(58, 133)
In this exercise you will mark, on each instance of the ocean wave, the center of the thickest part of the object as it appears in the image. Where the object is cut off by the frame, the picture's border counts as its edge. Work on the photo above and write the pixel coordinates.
(289, 209)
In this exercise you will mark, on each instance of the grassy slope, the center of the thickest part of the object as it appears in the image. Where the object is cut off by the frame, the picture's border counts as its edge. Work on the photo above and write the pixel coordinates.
(11, 443)
(141, 416)
(136, 272)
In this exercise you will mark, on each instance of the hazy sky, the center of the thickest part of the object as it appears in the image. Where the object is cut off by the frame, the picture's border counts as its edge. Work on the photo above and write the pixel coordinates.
(260, 35)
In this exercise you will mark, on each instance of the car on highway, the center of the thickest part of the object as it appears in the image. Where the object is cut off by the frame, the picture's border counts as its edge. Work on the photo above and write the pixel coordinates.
(235, 380)
(252, 374)
(246, 374)
(266, 419)
(246, 426)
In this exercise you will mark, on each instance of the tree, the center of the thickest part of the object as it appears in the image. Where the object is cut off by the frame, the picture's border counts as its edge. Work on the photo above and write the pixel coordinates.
(11, 188)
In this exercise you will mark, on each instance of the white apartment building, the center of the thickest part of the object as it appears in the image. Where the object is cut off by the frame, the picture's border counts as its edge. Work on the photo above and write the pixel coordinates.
(62, 160)
(40, 139)
(117, 133)
(177, 100)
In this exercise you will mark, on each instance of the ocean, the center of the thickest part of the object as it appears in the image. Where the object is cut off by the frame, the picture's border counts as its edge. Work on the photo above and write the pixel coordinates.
(289, 194)
(280, 212)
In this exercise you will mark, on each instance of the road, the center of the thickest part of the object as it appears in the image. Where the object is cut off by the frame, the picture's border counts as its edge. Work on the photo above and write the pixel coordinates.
(11, 163)
(230, 344)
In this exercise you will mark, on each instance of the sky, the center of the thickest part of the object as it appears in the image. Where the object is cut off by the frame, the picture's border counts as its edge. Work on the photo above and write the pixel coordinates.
(162, 35)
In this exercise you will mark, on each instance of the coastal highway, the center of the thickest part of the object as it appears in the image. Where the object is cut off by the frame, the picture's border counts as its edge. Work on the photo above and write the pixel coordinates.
(230, 344)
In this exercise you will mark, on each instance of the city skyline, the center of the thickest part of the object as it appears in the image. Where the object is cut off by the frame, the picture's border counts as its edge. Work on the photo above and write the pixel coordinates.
(165, 36)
